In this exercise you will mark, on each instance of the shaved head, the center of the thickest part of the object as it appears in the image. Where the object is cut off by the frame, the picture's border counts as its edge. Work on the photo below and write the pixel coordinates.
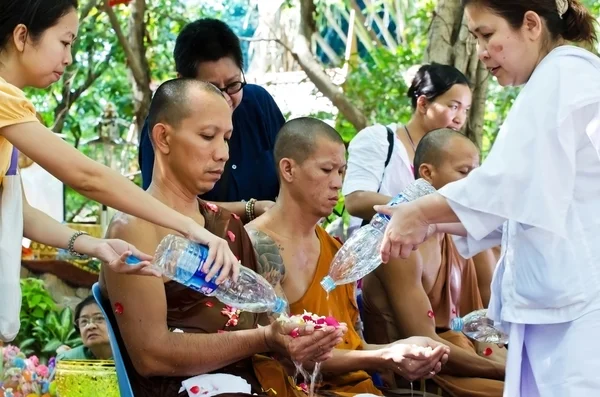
(430, 149)
(297, 139)
(170, 103)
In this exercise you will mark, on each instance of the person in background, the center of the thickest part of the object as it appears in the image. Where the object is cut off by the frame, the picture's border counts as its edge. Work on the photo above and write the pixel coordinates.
(380, 158)
(91, 325)
(209, 50)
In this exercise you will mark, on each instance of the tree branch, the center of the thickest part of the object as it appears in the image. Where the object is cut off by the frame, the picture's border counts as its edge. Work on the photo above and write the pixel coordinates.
(134, 65)
(86, 9)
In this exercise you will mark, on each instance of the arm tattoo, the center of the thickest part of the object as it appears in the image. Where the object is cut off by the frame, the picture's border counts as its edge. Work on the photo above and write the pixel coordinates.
(270, 262)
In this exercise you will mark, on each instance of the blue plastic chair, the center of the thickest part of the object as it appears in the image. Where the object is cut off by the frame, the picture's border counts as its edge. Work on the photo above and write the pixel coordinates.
(377, 381)
(124, 385)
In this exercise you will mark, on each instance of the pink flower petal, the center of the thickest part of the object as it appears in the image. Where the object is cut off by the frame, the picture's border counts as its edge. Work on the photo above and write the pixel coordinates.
(430, 314)
(212, 207)
(231, 236)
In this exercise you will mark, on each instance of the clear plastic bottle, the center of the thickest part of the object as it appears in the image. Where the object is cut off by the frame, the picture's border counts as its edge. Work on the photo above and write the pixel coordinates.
(359, 255)
(478, 327)
(182, 260)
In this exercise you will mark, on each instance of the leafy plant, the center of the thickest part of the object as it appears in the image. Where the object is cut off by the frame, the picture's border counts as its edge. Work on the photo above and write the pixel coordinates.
(43, 327)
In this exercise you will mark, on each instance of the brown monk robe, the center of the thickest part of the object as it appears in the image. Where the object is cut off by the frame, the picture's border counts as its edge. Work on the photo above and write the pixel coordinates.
(421, 294)
(193, 312)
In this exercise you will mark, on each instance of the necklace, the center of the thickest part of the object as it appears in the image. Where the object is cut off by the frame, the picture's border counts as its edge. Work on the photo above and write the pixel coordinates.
(412, 143)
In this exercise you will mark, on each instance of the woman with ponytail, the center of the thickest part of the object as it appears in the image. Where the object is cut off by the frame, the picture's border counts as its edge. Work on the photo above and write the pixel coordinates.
(538, 193)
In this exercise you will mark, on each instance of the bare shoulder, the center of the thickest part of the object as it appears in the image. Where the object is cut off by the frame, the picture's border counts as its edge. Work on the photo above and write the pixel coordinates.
(144, 235)
(268, 253)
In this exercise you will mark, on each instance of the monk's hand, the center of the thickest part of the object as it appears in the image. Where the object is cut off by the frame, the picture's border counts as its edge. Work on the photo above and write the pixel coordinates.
(303, 343)
(220, 259)
(406, 230)
(415, 358)
(115, 252)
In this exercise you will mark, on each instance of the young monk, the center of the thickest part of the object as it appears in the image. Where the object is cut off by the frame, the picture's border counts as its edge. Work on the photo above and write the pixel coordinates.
(191, 151)
(294, 255)
(420, 295)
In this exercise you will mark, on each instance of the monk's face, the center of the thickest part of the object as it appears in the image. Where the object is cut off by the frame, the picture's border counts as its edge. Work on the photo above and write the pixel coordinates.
(317, 181)
(198, 148)
(458, 158)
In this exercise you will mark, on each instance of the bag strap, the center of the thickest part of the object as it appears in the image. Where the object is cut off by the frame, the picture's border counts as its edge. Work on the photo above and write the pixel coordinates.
(390, 139)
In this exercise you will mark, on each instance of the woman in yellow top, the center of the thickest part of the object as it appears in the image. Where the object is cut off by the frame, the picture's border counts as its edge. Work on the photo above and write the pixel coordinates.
(35, 48)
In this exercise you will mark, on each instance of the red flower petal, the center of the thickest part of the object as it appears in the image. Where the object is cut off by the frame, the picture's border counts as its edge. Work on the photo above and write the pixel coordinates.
(453, 310)
(488, 351)
(332, 321)
(231, 236)
(295, 333)
(195, 389)
(209, 304)
(430, 314)
(118, 308)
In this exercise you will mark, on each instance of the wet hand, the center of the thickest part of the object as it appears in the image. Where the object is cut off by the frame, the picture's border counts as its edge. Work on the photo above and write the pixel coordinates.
(416, 358)
(406, 230)
(306, 344)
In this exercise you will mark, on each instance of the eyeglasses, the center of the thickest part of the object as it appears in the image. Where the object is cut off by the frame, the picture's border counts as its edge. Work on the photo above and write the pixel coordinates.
(234, 87)
(83, 322)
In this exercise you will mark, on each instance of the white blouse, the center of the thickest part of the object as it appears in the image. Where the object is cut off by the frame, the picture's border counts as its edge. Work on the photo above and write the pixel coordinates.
(366, 159)
(539, 190)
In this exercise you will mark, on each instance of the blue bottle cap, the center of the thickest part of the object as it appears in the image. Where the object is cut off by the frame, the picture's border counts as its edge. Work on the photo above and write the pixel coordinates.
(457, 324)
(132, 260)
(280, 306)
(328, 284)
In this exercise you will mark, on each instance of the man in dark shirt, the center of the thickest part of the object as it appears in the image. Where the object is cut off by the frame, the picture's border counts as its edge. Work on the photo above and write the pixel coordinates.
(208, 50)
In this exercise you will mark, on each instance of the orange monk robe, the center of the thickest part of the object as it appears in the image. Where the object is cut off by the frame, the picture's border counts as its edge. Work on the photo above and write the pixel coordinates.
(342, 305)
(455, 292)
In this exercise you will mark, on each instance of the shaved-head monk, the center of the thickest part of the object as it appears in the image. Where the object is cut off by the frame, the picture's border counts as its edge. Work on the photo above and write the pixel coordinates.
(295, 253)
(420, 295)
(190, 124)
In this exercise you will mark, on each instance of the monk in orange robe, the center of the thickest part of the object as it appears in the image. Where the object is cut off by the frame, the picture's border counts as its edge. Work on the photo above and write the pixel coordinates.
(294, 254)
(422, 294)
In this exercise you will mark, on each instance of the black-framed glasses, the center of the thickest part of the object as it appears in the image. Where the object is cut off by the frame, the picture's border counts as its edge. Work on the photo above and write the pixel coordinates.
(234, 87)
(83, 322)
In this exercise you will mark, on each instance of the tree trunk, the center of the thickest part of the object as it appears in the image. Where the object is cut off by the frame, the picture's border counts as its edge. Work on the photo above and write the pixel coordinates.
(135, 52)
(314, 70)
(450, 44)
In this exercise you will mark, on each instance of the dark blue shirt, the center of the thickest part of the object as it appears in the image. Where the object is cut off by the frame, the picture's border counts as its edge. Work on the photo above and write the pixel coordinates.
(250, 171)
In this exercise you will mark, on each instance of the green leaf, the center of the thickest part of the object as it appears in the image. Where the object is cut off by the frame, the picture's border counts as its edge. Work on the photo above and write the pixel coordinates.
(51, 346)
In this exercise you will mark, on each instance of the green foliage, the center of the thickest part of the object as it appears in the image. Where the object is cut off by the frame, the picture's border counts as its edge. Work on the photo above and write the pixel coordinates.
(43, 327)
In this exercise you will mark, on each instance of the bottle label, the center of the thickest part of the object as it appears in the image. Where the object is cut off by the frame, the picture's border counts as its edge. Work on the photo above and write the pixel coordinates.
(191, 266)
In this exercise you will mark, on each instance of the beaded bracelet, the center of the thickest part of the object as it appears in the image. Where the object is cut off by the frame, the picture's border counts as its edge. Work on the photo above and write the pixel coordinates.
(250, 209)
(71, 245)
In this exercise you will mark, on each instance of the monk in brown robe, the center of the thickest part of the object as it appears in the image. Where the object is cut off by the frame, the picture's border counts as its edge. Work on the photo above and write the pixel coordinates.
(420, 295)
(190, 124)
(295, 254)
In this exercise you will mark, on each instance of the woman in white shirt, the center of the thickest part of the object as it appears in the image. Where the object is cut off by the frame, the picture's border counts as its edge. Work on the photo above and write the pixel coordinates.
(380, 157)
(538, 192)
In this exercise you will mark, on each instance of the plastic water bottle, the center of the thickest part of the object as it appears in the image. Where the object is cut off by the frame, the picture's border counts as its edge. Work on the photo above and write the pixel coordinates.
(360, 255)
(478, 327)
(182, 260)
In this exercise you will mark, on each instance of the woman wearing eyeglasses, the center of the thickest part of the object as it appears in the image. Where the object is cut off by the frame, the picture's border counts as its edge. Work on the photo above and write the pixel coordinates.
(91, 325)
(209, 50)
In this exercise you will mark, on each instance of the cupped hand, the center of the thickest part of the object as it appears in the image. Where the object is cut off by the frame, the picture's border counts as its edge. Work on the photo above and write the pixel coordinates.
(307, 343)
(416, 358)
